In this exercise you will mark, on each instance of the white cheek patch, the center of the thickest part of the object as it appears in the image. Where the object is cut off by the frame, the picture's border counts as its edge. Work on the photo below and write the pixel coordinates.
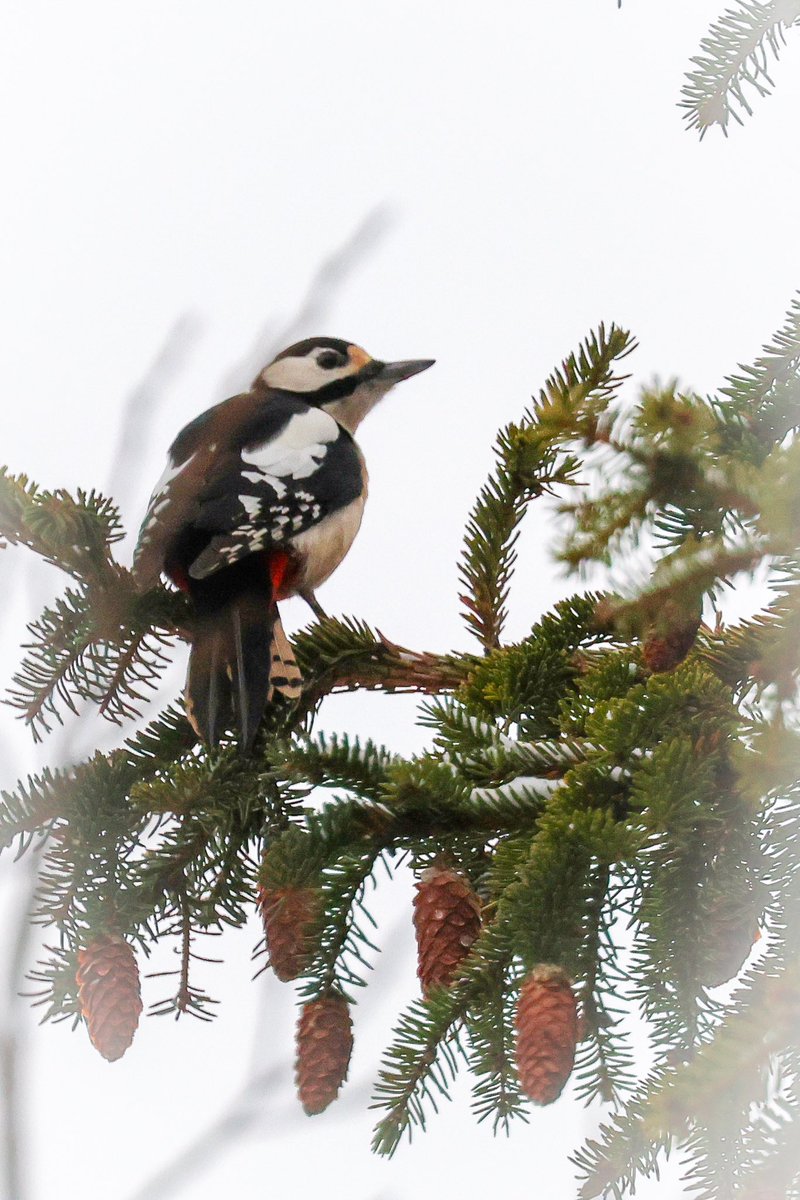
(302, 374)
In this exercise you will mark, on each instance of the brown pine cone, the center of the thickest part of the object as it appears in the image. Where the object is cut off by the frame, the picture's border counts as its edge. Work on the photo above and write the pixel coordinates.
(728, 953)
(108, 988)
(732, 931)
(447, 920)
(324, 1046)
(288, 915)
(547, 1033)
(667, 643)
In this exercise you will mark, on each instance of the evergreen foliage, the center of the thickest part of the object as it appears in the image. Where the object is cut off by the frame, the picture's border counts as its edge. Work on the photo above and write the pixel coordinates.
(734, 63)
(635, 828)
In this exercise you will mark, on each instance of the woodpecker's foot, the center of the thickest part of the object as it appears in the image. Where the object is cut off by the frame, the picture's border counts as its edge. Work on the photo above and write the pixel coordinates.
(315, 606)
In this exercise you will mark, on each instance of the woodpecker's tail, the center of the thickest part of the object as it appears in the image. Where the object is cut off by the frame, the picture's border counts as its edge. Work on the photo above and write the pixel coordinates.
(285, 675)
(240, 654)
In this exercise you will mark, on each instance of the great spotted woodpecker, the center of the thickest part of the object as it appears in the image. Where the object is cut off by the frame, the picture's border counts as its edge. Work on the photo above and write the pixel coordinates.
(261, 500)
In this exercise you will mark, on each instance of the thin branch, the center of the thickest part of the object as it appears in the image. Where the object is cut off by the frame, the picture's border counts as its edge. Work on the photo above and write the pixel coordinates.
(144, 400)
(323, 288)
(233, 1123)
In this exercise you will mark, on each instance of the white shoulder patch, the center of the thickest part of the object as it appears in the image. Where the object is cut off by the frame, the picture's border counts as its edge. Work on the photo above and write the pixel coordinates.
(298, 449)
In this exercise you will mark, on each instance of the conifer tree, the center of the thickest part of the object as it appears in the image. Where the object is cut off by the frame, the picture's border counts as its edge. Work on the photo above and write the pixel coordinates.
(606, 820)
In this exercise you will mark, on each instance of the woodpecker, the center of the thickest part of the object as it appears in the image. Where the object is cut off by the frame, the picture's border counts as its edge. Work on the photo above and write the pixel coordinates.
(261, 499)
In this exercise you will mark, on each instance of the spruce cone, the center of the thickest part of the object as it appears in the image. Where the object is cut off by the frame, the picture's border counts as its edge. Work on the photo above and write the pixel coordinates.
(669, 641)
(447, 920)
(288, 915)
(324, 1046)
(732, 933)
(108, 988)
(547, 1033)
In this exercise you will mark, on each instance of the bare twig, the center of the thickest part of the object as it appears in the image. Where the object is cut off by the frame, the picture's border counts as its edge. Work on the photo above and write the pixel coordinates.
(143, 401)
(313, 311)
(232, 1124)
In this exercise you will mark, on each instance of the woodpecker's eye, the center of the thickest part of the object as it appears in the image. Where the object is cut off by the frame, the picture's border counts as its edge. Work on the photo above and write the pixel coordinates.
(329, 359)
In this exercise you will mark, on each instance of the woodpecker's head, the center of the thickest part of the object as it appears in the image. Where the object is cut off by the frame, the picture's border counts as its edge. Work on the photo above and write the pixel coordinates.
(337, 376)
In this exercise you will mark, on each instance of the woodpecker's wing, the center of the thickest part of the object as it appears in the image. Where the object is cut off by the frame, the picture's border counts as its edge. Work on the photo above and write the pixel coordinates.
(280, 486)
(248, 481)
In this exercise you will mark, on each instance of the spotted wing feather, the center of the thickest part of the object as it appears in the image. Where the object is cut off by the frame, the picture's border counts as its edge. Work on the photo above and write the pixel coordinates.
(280, 488)
(247, 488)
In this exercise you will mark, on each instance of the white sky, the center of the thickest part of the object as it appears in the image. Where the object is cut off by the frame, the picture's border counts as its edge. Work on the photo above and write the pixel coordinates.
(200, 161)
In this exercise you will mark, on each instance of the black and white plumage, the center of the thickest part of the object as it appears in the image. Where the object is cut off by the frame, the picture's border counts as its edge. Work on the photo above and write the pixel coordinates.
(261, 499)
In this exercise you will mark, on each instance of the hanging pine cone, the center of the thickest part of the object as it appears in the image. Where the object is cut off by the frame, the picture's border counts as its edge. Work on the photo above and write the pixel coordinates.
(447, 920)
(547, 1033)
(732, 935)
(108, 988)
(324, 1046)
(288, 915)
(668, 642)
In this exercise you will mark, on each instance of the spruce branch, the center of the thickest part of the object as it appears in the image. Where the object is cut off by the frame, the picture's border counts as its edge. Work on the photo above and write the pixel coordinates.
(337, 760)
(73, 533)
(487, 756)
(766, 394)
(419, 1066)
(755, 654)
(419, 795)
(678, 581)
(490, 1033)
(575, 403)
(625, 1150)
(57, 988)
(102, 643)
(773, 1149)
(341, 655)
(734, 61)
(542, 913)
(422, 1060)
(526, 684)
(529, 465)
(75, 657)
(604, 1063)
(692, 1100)
(340, 938)
(188, 999)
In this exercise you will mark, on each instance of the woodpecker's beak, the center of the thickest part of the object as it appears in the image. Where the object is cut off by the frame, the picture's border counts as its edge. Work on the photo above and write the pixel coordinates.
(404, 370)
